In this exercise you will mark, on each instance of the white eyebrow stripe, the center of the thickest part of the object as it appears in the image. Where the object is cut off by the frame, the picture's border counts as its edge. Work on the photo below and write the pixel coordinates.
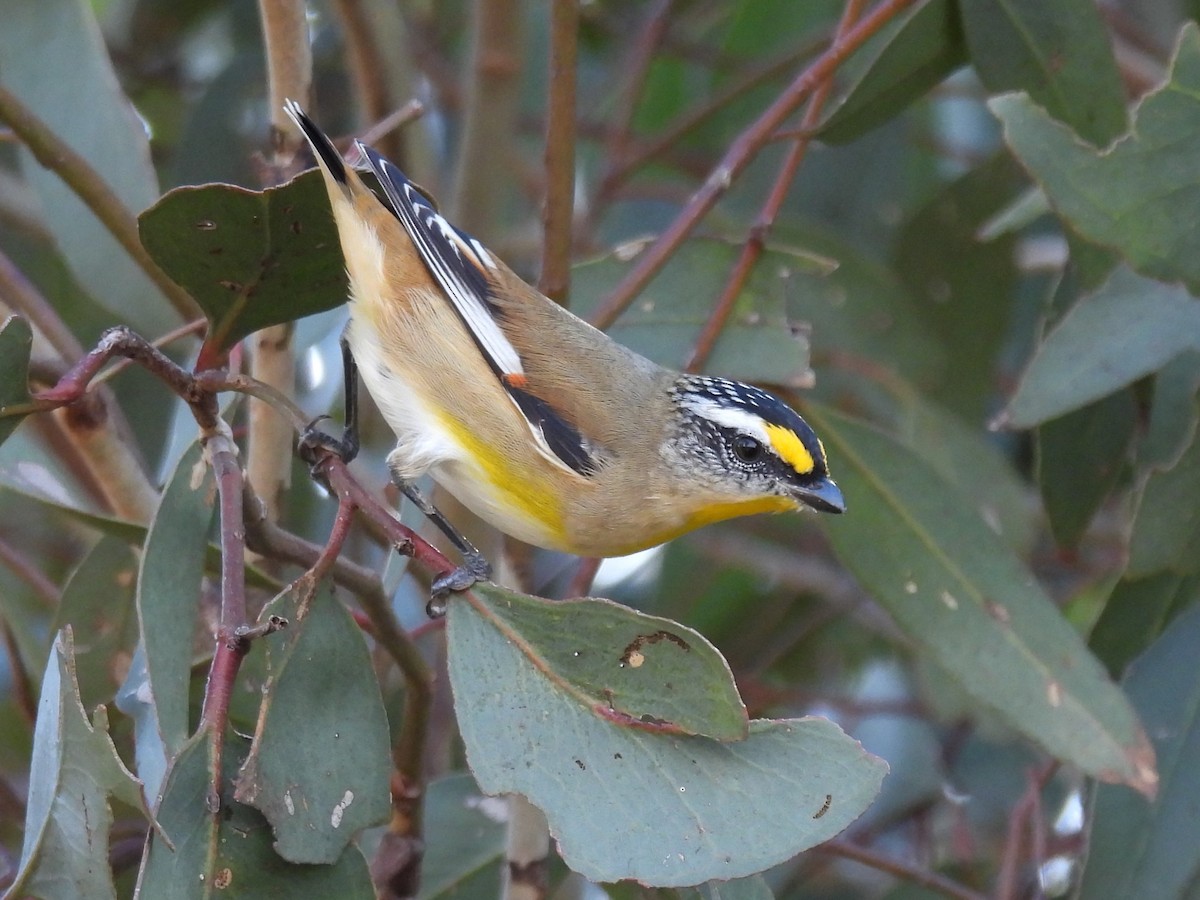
(729, 417)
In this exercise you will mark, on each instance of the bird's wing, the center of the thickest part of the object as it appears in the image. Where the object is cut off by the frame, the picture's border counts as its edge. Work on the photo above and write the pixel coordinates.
(460, 265)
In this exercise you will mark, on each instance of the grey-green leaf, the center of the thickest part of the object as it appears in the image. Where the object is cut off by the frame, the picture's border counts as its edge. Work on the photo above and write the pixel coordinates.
(1130, 327)
(623, 665)
(320, 763)
(75, 770)
(168, 591)
(52, 56)
(1058, 52)
(1140, 195)
(16, 341)
(965, 599)
(924, 50)
(666, 810)
(1140, 849)
(229, 854)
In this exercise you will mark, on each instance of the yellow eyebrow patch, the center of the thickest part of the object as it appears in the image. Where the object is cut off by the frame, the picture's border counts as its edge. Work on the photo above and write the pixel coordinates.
(790, 449)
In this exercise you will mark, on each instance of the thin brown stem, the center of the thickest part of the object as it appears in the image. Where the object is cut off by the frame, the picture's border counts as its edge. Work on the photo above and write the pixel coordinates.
(558, 213)
(490, 116)
(43, 588)
(20, 294)
(688, 122)
(914, 874)
(50, 150)
(637, 68)
(23, 692)
(739, 155)
(753, 248)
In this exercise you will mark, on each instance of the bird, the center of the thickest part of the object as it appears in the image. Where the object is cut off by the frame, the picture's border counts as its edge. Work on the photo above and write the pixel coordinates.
(542, 425)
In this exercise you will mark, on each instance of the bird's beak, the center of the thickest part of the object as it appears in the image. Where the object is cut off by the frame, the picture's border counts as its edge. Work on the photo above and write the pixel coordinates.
(822, 495)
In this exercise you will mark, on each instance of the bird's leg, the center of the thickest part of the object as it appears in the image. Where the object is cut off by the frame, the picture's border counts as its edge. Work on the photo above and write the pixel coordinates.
(347, 446)
(475, 567)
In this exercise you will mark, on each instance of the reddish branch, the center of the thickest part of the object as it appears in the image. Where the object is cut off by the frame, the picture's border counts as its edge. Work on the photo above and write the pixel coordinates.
(739, 155)
(753, 247)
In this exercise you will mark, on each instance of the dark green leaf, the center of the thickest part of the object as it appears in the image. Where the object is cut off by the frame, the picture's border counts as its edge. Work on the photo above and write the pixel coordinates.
(249, 258)
(1137, 612)
(1174, 412)
(758, 343)
(1140, 849)
(229, 855)
(626, 802)
(320, 762)
(16, 342)
(1057, 52)
(926, 48)
(52, 56)
(1080, 456)
(75, 770)
(621, 664)
(168, 592)
(964, 599)
(964, 289)
(1140, 196)
(98, 603)
(464, 840)
(1129, 328)
(1166, 534)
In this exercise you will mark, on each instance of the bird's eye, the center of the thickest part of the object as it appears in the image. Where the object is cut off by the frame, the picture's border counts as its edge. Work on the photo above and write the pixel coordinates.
(747, 449)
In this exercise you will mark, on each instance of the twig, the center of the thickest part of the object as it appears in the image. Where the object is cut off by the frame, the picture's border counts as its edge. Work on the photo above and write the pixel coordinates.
(489, 118)
(26, 697)
(753, 247)
(581, 582)
(739, 155)
(636, 67)
(1023, 814)
(45, 590)
(557, 215)
(233, 642)
(289, 67)
(690, 121)
(20, 294)
(922, 877)
(53, 153)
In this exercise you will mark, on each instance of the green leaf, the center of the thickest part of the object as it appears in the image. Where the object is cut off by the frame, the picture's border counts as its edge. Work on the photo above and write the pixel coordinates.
(228, 854)
(1174, 412)
(964, 289)
(98, 603)
(464, 840)
(168, 592)
(754, 887)
(1141, 195)
(16, 343)
(320, 763)
(1080, 457)
(75, 769)
(249, 258)
(922, 52)
(623, 665)
(1140, 849)
(627, 802)
(964, 599)
(1058, 52)
(1137, 611)
(52, 57)
(1166, 533)
(757, 344)
(1129, 328)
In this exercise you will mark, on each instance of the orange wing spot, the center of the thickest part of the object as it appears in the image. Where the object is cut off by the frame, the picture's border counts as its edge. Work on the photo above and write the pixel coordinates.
(516, 379)
(791, 449)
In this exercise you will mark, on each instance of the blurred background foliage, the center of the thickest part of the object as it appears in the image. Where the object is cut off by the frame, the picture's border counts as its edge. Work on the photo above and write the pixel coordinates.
(982, 300)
